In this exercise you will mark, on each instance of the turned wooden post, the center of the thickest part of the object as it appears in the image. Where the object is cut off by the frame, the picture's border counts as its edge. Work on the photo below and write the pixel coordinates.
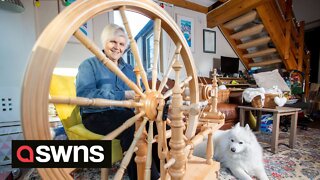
(141, 153)
(209, 149)
(307, 73)
(177, 143)
(288, 30)
(214, 92)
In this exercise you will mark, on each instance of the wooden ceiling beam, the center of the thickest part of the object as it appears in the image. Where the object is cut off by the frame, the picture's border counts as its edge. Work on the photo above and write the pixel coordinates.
(188, 5)
(230, 10)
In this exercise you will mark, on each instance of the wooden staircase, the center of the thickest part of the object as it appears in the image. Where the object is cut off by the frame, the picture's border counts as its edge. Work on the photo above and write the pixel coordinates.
(263, 33)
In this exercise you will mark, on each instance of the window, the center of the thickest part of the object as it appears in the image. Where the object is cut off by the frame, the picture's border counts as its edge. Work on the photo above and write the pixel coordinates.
(149, 52)
(130, 58)
(145, 44)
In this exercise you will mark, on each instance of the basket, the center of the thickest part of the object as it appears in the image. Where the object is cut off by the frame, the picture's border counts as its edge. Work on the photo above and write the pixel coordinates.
(223, 95)
(256, 102)
(269, 101)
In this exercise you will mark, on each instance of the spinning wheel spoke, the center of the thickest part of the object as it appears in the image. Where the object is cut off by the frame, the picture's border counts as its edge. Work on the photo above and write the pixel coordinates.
(181, 85)
(134, 48)
(127, 157)
(106, 61)
(174, 58)
(69, 170)
(80, 101)
(157, 32)
(124, 126)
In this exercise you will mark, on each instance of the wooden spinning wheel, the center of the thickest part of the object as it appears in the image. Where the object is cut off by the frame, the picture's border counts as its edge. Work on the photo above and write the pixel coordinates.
(148, 104)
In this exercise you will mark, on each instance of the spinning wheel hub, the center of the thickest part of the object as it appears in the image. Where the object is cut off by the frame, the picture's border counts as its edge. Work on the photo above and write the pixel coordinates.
(151, 102)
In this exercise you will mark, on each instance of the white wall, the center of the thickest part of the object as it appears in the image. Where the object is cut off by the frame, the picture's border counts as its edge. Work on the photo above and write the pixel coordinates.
(203, 61)
(18, 35)
(17, 38)
(308, 11)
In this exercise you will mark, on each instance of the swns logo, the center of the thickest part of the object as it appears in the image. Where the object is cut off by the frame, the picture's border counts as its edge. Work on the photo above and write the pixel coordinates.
(61, 154)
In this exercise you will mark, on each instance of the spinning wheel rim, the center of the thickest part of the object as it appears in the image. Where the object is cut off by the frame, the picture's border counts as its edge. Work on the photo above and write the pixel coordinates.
(47, 50)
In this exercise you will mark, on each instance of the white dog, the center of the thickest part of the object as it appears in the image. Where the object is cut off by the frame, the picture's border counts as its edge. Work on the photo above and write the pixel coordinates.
(238, 150)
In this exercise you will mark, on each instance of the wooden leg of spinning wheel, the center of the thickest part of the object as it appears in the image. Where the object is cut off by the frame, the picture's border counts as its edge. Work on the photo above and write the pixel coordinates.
(209, 149)
(177, 143)
(104, 173)
(141, 153)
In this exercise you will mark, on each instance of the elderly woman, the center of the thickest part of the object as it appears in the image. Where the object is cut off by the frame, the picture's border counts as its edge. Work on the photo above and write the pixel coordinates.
(94, 80)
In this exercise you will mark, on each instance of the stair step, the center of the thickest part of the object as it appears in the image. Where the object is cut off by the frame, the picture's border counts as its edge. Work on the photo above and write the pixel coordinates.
(248, 32)
(254, 43)
(265, 63)
(260, 53)
(244, 19)
(197, 168)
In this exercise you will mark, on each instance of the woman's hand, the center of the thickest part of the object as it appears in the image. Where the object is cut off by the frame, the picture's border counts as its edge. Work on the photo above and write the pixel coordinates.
(129, 94)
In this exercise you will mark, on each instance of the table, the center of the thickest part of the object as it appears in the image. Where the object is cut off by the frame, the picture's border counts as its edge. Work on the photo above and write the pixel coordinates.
(277, 113)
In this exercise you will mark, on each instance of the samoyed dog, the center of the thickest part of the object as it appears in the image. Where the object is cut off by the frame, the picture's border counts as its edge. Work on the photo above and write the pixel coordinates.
(238, 150)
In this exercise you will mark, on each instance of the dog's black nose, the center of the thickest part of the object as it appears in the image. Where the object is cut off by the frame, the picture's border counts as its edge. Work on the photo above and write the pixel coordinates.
(233, 149)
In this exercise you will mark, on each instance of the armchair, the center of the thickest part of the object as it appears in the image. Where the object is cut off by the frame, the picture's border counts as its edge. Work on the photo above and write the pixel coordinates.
(71, 119)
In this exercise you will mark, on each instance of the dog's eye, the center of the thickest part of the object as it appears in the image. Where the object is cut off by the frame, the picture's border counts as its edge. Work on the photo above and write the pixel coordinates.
(240, 142)
(232, 140)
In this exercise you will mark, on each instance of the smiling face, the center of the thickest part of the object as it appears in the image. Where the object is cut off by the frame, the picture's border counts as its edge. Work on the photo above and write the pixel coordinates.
(114, 48)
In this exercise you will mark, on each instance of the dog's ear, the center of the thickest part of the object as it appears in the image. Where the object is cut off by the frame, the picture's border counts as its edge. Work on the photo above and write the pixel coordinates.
(248, 127)
(237, 125)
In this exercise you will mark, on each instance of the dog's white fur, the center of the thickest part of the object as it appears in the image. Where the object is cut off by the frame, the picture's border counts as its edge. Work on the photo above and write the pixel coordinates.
(238, 150)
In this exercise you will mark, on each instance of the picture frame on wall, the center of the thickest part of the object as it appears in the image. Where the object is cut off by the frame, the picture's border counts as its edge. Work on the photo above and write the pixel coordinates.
(209, 41)
(86, 28)
(186, 25)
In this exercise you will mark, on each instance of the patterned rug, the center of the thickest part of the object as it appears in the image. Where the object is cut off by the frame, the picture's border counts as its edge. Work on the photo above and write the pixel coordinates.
(302, 162)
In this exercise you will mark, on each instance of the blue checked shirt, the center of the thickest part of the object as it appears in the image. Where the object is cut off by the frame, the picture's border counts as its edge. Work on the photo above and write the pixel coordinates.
(94, 80)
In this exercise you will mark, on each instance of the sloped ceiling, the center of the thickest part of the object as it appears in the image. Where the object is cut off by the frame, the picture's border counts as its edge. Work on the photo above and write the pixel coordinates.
(307, 10)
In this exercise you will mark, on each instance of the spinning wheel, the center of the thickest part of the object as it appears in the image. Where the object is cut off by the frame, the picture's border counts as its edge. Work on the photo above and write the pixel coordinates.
(149, 104)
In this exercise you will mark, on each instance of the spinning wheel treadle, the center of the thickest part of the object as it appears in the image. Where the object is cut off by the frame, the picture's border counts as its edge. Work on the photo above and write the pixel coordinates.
(149, 105)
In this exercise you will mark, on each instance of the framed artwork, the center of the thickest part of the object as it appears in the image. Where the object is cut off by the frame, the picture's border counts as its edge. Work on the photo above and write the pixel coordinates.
(86, 28)
(186, 25)
(209, 41)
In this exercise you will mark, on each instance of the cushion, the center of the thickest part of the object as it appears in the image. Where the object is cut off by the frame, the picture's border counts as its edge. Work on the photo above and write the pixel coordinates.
(270, 79)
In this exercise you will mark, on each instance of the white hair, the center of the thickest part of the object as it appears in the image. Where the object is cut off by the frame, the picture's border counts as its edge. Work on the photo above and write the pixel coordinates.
(112, 30)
